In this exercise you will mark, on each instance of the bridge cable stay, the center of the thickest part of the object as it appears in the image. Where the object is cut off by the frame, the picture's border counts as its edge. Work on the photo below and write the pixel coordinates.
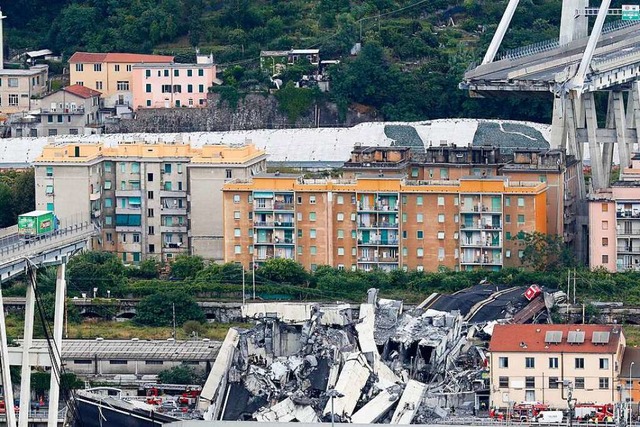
(55, 354)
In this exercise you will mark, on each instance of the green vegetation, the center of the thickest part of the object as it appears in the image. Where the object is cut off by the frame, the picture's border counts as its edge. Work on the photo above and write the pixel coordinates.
(181, 374)
(414, 53)
(17, 195)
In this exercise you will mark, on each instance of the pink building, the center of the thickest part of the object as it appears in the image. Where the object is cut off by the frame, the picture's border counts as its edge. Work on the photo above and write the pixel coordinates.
(614, 223)
(172, 85)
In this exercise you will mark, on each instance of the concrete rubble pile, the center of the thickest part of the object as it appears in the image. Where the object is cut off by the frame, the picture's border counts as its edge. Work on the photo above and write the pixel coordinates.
(387, 365)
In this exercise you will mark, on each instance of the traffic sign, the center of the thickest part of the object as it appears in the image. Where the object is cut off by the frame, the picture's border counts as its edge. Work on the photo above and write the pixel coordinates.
(630, 12)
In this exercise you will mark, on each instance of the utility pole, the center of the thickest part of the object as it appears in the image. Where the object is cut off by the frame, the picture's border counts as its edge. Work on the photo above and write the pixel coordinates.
(244, 298)
(173, 308)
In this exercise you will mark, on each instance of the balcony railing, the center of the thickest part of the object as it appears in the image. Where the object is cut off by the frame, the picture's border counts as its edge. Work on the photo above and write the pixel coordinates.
(263, 223)
(381, 242)
(378, 225)
(282, 206)
(377, 207)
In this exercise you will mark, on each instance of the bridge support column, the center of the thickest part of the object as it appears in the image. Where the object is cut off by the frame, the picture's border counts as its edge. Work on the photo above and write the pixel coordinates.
(598, 178)
(4, 364)
(25, 373)
(573, 27)
(620, 124)
(56, 362)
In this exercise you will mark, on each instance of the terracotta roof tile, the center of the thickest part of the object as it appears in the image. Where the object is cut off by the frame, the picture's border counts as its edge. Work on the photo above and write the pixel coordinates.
(531, 339)
(132, 58)
(82, 91)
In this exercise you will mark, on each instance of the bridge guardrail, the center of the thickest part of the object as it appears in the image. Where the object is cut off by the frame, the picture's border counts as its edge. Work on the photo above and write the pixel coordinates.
(11, 249)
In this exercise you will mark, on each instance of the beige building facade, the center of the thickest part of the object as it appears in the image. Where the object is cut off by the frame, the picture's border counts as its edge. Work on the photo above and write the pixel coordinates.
(19, 89)
(144, 197)
(539, 363)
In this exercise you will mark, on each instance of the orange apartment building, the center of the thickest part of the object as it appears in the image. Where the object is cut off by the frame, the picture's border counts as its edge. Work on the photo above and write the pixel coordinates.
(381, 221)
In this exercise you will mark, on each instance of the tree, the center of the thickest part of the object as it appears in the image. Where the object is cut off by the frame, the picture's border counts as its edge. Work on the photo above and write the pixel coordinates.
(102, 270)
(147, 269)
(158, 309)
(545, 252)
(181, 374)
(282, 270)
(186, 266)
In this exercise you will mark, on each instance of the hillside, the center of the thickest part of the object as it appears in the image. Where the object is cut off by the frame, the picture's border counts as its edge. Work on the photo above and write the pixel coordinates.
(414, 51)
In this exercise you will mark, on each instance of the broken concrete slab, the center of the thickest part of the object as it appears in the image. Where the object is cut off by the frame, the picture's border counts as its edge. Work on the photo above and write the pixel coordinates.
(352, 379)
(409, 403)
(376, 408)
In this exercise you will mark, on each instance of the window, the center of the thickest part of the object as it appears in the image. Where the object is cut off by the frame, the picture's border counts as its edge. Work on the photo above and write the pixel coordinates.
(340, 251)
(440, 200)
(405, 251)
(13, 82)
(50, 119)
(553, 363)
(419, 217)
(147, 73)
(147, 88)
(313, 250)
(605, 241)
(312, 216)
(152, 230)
(312, 200)
(237, 232)
(150, 177)
(237, 249)
(236, 215)
(97, 67)
(553, 382)
(507, 219)
(166, 88)
(520, 202)
(236, 198)
(440, 254)
(340, 200)
(99, 85)
(579, 363)
(117, 361)
(167, 168)
(79, 83)
(166, 73)
(503, 362)
(420, 234)
(404, 217)
(49, 171)
(340, 216)
(340, 234)
(503, 382)
(190, 88)
(79, 67)
(420, 252)
(604, 363)
(201, 88)
(603, 383)
(419, 200)
(129, 67)
(520, 219)
(50, 207)
(82, 362)
(228, 173)
(150, 212)
(176, 73)
(52, 132)
(312, 233)
(49, 189)
(122, 85)
(605, 259)
(507, 201)
(299, 234)
(189, 73)
(153, 362)
(440, 218)
(177, 89)
(136, 238)
(579, 383)
(108, 203)
(150, 195)
(13, 99)
(605, 224)
(529, 362)
(530, 382)
(440, 235)
(299, 249)
(605, 207)
(200, 72)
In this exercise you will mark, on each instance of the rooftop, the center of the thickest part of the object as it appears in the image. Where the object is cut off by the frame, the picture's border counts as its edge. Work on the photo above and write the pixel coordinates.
(556, 338)
(36, 69)
(91, 57)
(82, 91)
(172, 65)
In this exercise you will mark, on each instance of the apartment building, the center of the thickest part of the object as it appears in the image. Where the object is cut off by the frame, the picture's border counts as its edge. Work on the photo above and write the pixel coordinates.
(537, 363)
(381, 221)
(110, 73)
(451, 162)
(20, 88)
(72, 110)
(172, 85)
(150, 200)
(614, 223)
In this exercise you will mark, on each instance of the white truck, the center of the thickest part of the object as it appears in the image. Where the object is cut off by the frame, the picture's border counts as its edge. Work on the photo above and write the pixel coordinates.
(550, 417)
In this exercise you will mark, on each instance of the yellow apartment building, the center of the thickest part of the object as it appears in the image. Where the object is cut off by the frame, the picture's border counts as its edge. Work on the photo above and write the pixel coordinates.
(149, 200)
(110, 73)
(381, 221)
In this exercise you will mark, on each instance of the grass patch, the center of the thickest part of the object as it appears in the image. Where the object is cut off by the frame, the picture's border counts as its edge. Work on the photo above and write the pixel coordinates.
(124, 330)
(632, 334)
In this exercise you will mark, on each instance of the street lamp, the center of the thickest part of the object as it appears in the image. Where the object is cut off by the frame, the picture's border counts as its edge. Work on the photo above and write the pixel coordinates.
(630, 389)
(332, 394)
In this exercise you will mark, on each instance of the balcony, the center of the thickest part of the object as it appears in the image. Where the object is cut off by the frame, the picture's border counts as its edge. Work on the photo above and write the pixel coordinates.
(177, 247)
(282, 224)
(260, 207)
(263, 224)
(178, 228)
(96, 213)
(173, 193)
(173, 211)
(480, 244)
(628, 214)
(128, 228)
(379, 242)
(628, 232)
(481, 261)
(282, 206)
(378, 225)
(128, 210)
(377, 207)
(129, 193)
(493, 227)
(95, 196)
(283, 241)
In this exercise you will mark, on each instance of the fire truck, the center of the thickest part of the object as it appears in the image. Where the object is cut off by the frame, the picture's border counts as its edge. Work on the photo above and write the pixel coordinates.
(524, 412)
(593, 412)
